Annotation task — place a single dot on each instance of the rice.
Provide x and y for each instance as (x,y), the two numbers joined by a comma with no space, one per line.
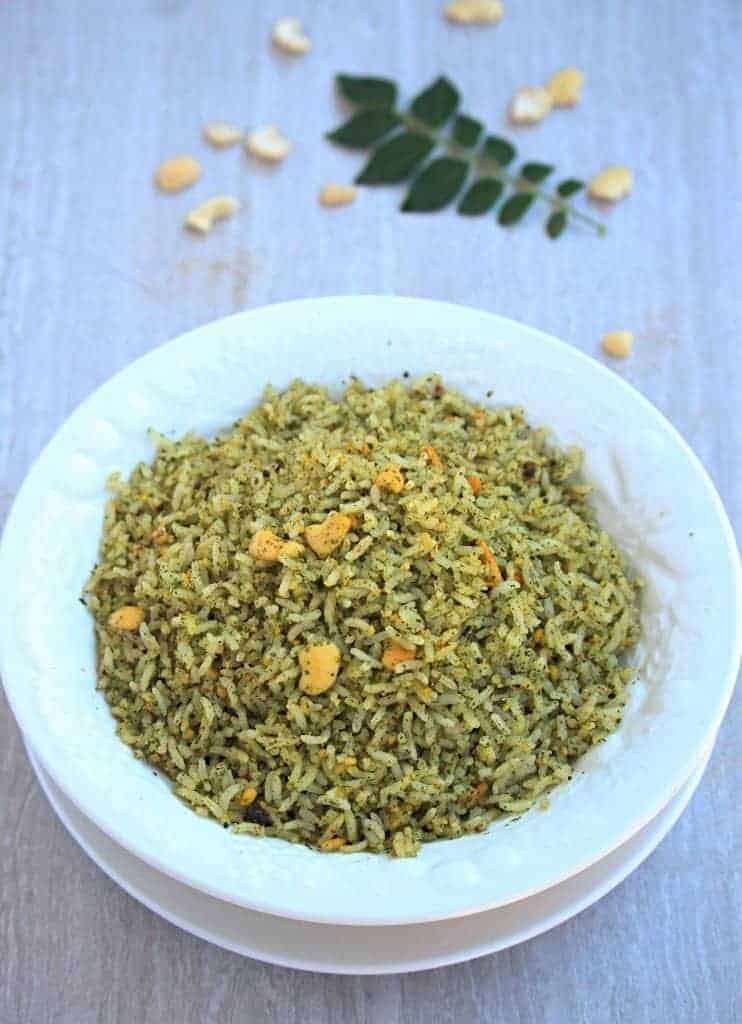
(485,574)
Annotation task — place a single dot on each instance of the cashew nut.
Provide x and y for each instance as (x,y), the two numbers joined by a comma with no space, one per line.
(177,173)
(337,195)
(267,546)
(247,796)
(289,36)
(491,568)
(390,479)
(565,87)
(127,617)
(474,12)
(217,208)
(611,184)
(268,143)
(320,664)
(332,844)
(324,538)
(160,537)
(618,343)
(222,133)
(395,655)
(431,454)
(529,105)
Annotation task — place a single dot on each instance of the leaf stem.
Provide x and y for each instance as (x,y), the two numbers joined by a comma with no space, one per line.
(477,159)
(554,200)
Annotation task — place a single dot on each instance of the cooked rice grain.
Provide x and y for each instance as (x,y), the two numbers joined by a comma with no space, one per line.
(507,685)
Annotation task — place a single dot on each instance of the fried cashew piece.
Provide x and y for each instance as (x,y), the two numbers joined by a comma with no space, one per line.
(491,568)
(267,546)
(128,617)
(324,538)
(320,664)
(391,479)
(395,655)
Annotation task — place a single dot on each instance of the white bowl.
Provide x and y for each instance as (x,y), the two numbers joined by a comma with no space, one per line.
(334,949)
(653,496)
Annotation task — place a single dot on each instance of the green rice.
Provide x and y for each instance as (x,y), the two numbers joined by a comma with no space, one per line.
(513,671)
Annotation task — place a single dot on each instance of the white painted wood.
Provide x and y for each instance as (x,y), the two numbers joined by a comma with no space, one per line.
(95,270)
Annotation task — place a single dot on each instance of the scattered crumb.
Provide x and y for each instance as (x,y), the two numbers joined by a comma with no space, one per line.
(565,87)
(177,173)
(611,184)
(474,12)
(618,343)
(337,195)
(222,133)
(288,35)
(529,105)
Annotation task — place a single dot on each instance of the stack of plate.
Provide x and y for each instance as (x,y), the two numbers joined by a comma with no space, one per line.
(458,899)
(343,949)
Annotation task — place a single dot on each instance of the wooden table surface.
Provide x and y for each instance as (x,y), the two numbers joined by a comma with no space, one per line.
(95,270)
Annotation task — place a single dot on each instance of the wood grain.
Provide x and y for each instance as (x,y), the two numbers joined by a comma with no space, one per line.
(95,270)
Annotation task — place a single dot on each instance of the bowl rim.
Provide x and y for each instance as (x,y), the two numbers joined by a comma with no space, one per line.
(275,903)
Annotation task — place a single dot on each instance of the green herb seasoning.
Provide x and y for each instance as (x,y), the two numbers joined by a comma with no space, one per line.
(362,622)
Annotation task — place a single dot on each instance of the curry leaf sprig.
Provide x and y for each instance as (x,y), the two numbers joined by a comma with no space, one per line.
(471,165)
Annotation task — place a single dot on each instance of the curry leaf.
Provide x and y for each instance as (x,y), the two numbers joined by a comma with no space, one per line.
(569,186)
(535,172)
(365,128)
(396,159)
(400,145)
(556,223)
(480,197)
(367,92)
(466,131)
(499,150)
(434,105)
(513,208)
(437,185)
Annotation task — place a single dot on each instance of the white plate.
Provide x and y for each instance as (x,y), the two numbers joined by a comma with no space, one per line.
(338,949)
(654,496)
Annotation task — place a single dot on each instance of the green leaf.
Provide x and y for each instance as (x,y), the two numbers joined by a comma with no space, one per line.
(367,92)
(365,128)
(466,131)
(556,223)
(569,186)
(436,186)
(535,172)
(499,150)
(435,104)
(480,197)
(396,159)
(513,208)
